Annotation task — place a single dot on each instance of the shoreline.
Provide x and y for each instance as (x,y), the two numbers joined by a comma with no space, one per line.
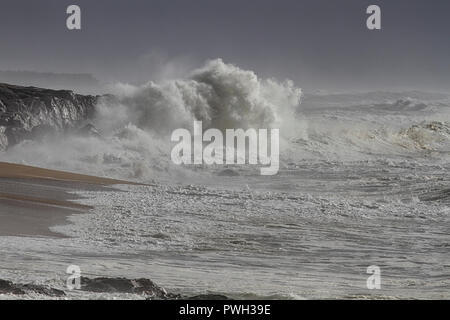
(20,171)
(33,199)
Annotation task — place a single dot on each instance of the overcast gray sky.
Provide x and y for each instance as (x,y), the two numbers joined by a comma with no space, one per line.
(319,44)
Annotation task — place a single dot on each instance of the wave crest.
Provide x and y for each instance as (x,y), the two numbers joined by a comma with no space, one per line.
(219,94)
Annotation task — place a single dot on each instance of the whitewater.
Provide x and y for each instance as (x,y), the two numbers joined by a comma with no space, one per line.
(363,180)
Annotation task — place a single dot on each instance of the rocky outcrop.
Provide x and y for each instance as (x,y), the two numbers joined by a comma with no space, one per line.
(8,287)
(28,112)
(123,285)
(142,286)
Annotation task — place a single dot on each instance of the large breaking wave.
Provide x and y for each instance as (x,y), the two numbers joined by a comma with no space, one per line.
(221,95)
(135,124)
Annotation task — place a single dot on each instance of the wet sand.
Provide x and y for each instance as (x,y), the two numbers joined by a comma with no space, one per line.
(33,199)
(19,171)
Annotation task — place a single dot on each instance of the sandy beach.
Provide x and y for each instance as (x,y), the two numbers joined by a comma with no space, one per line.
(33,199)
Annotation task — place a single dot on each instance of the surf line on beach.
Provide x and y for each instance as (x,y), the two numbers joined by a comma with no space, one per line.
(210,148)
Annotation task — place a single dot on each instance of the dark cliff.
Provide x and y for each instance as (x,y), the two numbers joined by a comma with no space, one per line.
(25,112)
(77,82)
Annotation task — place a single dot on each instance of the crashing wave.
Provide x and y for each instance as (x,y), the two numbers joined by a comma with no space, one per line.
(130,133)
(130,136)
(428,135)
(221,95)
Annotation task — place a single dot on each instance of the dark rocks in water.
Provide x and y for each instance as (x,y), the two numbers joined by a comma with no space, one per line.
(26,111)
(8,287)
(123,285)
(106,285)
(228,173)
(52,292)
(103,285)
(138,286)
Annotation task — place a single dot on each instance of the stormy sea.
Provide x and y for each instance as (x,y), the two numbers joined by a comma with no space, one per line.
(363,181)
